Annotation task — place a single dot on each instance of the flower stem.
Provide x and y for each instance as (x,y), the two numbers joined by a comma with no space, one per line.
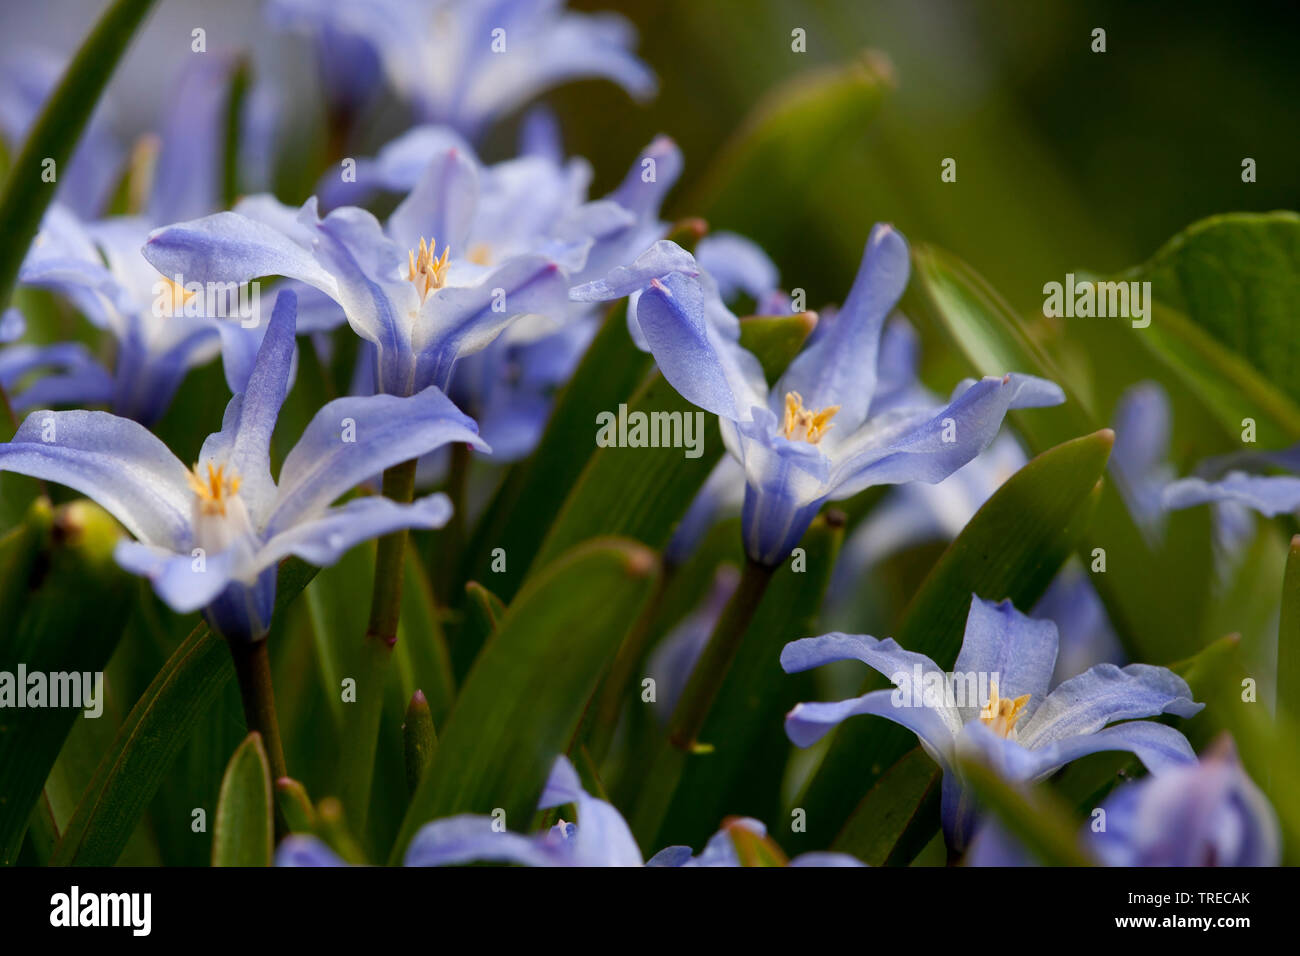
(357,759)
(711,670)
(253,669)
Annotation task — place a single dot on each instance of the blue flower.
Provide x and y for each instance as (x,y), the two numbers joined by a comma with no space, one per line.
(161,330)
(1208,813)
(996,702)
(465,63)
(600,837)
(817,436)
(210,538)
(1234,479)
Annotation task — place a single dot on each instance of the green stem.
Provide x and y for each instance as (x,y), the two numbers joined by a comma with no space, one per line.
(443,550)
(253,669)
(711,670)
(357,759)
(669,761)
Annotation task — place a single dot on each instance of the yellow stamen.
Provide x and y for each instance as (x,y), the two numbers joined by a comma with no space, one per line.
(802,424)
(177,296)
(427,270)
(1002,713)
(214,489)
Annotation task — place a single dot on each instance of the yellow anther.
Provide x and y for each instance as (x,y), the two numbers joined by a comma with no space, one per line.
(1002,713)
(428,271)
(802,424)
(176,295)
(214,489)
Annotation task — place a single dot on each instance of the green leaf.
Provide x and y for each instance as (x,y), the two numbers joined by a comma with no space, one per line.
(56,131)
(898,815)
(742,774)
(68,626)
(245,826)
(1237,276)
(153,733)
(1011,548)
(520,706)
(1288,637)
(1034,815)
(519,514)
(295,806)
(640,493)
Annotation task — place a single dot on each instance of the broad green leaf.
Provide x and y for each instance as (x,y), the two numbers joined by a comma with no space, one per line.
(533,491)
(641,492)
(152,735)
(898,815)
(56,131)
(1011,548)
(1288,637)
(1034,815)
(1237,276)
(423,661)
(244,829)
(746,726)
(520,706)
(60,637)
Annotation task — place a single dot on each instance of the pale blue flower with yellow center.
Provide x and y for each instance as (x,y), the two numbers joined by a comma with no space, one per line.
(815,436)
(1023,731)
(210,537)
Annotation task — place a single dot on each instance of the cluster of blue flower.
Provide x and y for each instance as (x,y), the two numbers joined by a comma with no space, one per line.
(474,300)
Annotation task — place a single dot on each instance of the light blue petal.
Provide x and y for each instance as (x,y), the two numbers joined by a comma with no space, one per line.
(1104,694)
(472,839)
(914,447)
(738,265)
(602,837)
(825,859)
(187,177)
(839,367)
(441,206)
(182,582)
(12,325)
(1017,652)
(707,370)
(661,259)
(386,430)
(1270,495)
(70,376)
(114,461)
(808,723)
(324,540)
(299,850)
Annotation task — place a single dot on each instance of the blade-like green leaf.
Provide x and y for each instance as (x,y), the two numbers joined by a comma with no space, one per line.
(1034,815)
(1288,637)
(245,825)
(520,706)
(27,191)
(55,651)
(898,815)
(1011,548)
(152,735)
(524,506)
